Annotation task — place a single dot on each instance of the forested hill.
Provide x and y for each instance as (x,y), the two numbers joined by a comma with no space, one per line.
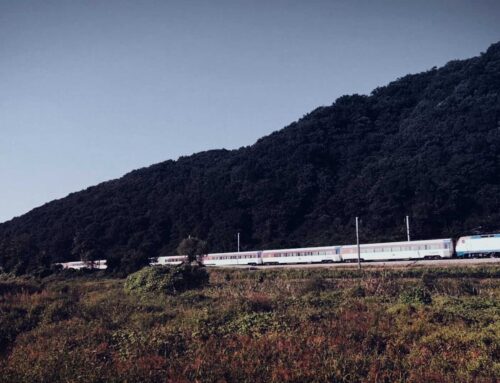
(426,145)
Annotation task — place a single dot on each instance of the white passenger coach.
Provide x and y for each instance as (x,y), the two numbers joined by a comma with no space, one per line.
(228,259)
(326,254)
(426,249)
(169,260)
(78,265)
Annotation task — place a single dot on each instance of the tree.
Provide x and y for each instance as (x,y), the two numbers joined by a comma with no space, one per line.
(192,247)
(86,247)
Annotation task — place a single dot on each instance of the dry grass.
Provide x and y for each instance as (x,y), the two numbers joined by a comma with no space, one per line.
(314,325)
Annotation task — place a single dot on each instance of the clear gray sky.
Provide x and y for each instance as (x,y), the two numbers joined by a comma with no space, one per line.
(90,90)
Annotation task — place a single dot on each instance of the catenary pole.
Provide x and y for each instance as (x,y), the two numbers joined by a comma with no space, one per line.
(408,228)
(357,242)
(238,242)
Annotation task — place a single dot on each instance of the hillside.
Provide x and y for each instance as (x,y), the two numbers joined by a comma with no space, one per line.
(426,145)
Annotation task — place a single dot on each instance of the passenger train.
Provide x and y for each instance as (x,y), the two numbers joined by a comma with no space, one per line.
(427,249)
(470,246)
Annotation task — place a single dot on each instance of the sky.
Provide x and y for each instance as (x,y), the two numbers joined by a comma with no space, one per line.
(90,90)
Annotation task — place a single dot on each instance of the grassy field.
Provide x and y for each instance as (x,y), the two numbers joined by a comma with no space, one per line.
(297,325)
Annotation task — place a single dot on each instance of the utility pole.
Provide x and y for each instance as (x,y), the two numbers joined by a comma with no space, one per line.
(357,242)
(408,228)
(238,241)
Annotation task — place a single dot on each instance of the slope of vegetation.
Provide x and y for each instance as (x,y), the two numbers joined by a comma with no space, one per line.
(297,325)
(426,145)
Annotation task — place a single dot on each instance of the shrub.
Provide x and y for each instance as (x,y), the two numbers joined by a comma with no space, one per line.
(415,295)
(166,279)
(429,280)
(255,324)
(259,302)
(315,284)
(325,299)
(58,311)
(466,287)
(15,321)
(358,292)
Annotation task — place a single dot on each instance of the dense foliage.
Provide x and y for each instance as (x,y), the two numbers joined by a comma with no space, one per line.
(426,145)
(296,325)
(193,248)
(166,279)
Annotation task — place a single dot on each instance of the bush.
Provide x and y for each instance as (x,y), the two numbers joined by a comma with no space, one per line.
(167,279)
(466,287)
(418,295)
(358,292)
(58,311)
(259,302)
(314,284)
(429,280)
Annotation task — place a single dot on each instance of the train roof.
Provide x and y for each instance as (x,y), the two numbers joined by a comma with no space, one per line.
(423,241)
(318,248)
(479,236)
(235,253)
(304,248)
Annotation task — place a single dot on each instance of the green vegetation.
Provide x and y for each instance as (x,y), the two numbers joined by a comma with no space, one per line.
(295,325)
(193,248)
(166,279)
(426,145)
